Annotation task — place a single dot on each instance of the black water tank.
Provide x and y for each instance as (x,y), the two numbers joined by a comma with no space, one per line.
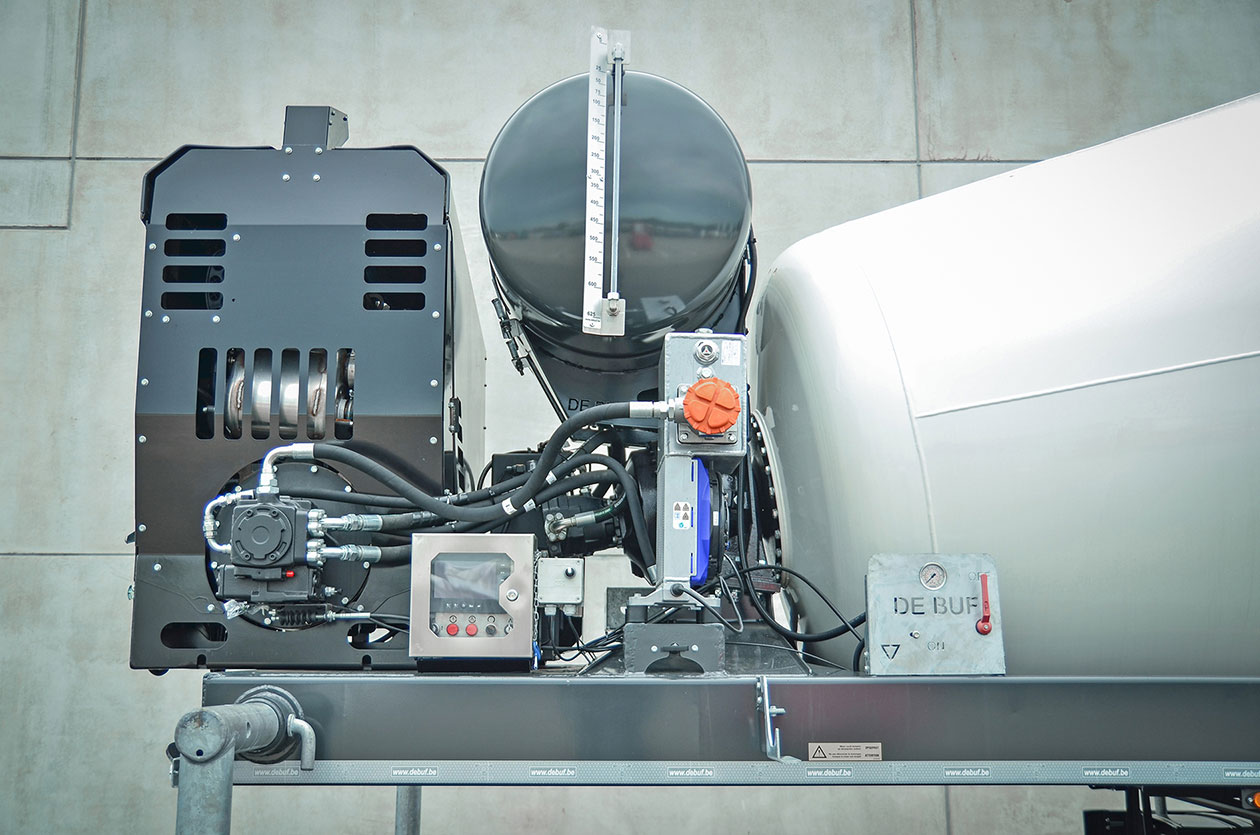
(686,207)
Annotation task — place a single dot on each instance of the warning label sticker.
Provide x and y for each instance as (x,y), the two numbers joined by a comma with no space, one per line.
(846,751)
(682,515)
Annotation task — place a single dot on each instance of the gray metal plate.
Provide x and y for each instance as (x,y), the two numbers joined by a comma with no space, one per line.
(923,611)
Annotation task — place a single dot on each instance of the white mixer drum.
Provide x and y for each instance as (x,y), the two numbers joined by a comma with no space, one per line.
(1058,366)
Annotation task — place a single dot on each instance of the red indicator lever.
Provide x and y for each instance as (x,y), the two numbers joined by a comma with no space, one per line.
(984,626)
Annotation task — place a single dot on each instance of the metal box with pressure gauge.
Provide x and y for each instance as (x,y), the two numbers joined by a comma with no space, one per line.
(933,614)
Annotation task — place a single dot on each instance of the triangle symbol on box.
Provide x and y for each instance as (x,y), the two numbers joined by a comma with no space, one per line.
(891,650)
(819,753)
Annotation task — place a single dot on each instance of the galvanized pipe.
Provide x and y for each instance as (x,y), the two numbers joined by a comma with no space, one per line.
(208,741)
(407,811)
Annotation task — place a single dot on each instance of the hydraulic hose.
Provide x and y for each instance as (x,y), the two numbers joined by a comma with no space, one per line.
(404,488)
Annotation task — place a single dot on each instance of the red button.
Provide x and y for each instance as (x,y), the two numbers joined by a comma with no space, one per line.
(471,629)
(452,629)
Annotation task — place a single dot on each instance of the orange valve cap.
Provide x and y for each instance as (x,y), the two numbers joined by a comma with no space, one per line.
(711,406)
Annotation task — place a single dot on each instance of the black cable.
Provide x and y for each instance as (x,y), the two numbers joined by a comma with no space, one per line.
(368,466)
(369,499)
(485,471)
(750,286)
(517,501)
(550,454)
(817,658)
(857,654)
(1220,807)
(736,629)
(845,627)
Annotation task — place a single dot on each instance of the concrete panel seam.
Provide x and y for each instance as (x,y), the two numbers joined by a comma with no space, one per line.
(74,118)
(1119,378)
(914,76)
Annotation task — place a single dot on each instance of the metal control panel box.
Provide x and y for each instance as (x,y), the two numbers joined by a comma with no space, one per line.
(933,614)
(472,596)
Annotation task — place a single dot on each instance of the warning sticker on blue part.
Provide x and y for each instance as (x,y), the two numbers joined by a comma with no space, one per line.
(682,515)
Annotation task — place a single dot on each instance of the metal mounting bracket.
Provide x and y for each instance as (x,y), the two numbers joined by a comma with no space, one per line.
(769,733)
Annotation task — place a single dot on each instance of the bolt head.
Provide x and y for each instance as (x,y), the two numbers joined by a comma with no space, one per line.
(148,314)
(432,440)
(215,319)
(437,315)
(512,595)
(319,150)
(288,150)
(695,647)
(344,601)
(433,384)
(209,607)
(437,247)
(656,649)
(157,566)
(568,572)
(237,236)
(152,247)
(315,177)
(142,528)
(166,320)
(142,439)
(285,177)
(144,381)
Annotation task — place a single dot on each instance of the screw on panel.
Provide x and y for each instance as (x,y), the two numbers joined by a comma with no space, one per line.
(285,177)
(656,649)
(288,150)
(314,468)
(433,383)
(432,440)
(437,247)
(166,320)
(319,150)
(215,319)
(148,314)
(315,177)
(142,439)
(157,566)
(144,381)
(512,595)
(237,236)
(344,601)
(152,246)
(436,315)
(142,528)
(209,607)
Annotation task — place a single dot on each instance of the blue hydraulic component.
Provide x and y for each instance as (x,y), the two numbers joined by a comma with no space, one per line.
(704,527)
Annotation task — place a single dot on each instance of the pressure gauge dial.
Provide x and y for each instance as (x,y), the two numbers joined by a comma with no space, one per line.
(932,576)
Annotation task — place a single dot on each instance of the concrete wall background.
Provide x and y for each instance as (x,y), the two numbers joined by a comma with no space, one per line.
(843,108)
